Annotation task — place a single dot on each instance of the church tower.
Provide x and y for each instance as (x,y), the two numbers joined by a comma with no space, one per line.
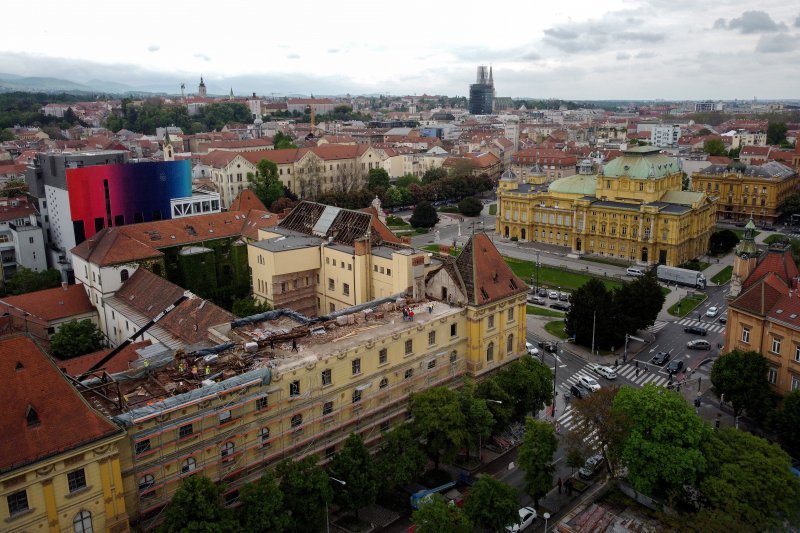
(745,260)
(169,151)
(201,89)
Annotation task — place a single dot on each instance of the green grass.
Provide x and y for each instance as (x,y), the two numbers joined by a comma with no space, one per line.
(448,209)
(687,304)
(552,276)
(396,222)
(411,233)
(543,311)
(493,209)
(605,260)
(723,276)
(556,327)
(740,233)
(772,239)
(435,248)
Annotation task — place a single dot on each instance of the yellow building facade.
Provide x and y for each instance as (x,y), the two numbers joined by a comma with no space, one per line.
(302,388)
(756,191)
(634,210)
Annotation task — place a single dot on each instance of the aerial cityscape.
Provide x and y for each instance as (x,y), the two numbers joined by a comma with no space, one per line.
(459,278)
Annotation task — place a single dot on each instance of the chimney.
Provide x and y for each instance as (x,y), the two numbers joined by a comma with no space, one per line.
(64,285)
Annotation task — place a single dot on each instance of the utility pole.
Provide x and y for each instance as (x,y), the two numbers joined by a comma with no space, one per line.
(594,323)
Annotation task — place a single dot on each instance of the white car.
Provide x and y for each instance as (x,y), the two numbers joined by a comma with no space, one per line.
(605,371)
(712,311)
(553,295)
(589,382)
(533,350)
(526,517)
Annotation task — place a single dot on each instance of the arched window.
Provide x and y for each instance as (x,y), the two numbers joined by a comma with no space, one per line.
(490,352)
(124,275)
(384,383)
(188,465)
(82,523)
(510,344)
(146,482)
(297,420)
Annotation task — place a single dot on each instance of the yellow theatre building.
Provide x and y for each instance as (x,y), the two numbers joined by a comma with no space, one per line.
(633,210)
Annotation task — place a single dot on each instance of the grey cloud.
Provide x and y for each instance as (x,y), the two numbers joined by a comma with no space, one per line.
(623,56)
(641,36)
(755,22)
(797,22)
(777,44)
(531,56)
(293,56)
(645,55)
(720,24)
(153,48)
(481,54)
(561,33)
(204,57)
(595,35)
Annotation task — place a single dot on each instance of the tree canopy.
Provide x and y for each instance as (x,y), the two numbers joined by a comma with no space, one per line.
(265,183)
(282,141)
(197,506)
(478,417)
(438,419)
(437,516)
(249,306)
(787,422)
(742,378)
(529,385)
(400,458)
(662,447)
(776,133)
(353,464)
(424,216)
(377,178)
(595,418)
(536,458)
(470,206)
(306,488)
(261,509)
(492,504)
(714,147)
(723,241)
(26,280)
(77,338)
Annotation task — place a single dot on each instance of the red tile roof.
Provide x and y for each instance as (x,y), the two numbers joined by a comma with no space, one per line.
(110,246)
(486,275)
(762,295)
(780,263)
(52,304)
(245,201)
(119,363)
(380,228)
(32,383)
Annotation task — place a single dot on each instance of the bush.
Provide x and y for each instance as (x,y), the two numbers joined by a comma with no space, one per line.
(424,216)
(470,206)
(722,242)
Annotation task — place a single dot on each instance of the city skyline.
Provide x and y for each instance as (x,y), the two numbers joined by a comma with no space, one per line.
(637,49)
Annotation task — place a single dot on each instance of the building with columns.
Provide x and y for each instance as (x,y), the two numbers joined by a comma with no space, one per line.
(634,210)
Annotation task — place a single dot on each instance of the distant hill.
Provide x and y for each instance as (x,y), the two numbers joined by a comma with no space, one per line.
(13,82)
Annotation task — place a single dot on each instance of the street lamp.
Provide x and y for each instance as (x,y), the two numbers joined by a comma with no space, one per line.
(327,521)
(546,518)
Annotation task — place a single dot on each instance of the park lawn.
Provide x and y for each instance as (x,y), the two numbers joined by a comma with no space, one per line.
(543,311)
(435,249)
(723,276)
(396,222)
(448,209)
(687,304)
(556,327)
(411,232)
(553,277)
(605,261)
(704,265)
(772,239)
(493,209)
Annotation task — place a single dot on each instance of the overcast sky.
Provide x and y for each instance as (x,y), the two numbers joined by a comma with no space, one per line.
(578,49)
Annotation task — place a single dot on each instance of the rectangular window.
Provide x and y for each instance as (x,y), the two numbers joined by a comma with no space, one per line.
(746,335)
(225,416)
(795,383)
(453,330)
(772,375)
(261,403)
(356,395)
(141,446)
(185,431)
(356,366)
(346,289)
(331,284)
(294,388)
(431,338)
(76,480)
(383,356)
(327,408)
(776,345)
(797,353)
(409,346)
(490,321)
(409,373)
(326,377)
(388,271)
(17,502)
(431,364)
(511,314)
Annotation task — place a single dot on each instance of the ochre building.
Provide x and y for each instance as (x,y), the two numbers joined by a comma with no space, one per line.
(633,210)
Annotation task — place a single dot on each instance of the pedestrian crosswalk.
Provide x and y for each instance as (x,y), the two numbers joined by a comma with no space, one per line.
(712,327)
(657,326)
(626,371)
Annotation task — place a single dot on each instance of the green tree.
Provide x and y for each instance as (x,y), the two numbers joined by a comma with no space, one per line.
(306,489)
(536,458)
(662,450)
(354,465)
(501,405)
(787,422)
(262,506)
(575,458)
(13,188)
(197,507)
(592,315)
(790,205)
(408,179)
(742,378)
(265,183)
(714,147)
(282,141)
(439,421)
(77,338)
(734,153)
(478,417)
(462,167)
(598,423)
(492,504)
(249,307)
(434,174)
(424,216)
(686,181)
(437,516)
(638,303)
(749,480)
(703,132)
(377,178)
(470,206)
(26,280)
(722,241)
(528,383)
(776,133)
(6,135)
(400,458)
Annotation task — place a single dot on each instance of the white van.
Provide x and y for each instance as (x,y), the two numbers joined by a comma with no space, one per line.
(634,271)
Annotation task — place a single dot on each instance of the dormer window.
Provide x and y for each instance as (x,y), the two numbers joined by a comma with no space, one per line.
(32,417)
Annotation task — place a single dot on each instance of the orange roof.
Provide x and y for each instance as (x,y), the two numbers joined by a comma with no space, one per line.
(53,304)
(780,263)
(42,414)
(380,228)
(218,158)
(245,201)
(487,277)
(110,246)
(119,363)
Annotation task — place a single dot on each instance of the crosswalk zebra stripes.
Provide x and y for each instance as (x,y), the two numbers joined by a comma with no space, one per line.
(627,371)
(657,326)
(711,327)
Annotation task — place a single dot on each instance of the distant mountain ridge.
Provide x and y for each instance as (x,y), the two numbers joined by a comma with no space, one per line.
(13,82)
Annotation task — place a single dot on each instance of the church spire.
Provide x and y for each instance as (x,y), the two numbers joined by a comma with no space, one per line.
(491,79)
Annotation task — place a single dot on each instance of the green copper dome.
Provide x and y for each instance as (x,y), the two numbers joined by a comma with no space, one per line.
(642,162)
(584,184)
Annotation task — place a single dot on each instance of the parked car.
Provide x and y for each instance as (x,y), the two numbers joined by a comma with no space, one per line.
(579,391)
(605,371)
(533,350)
(526,517)
(696,330)
(723,318)
(553,295)
(542,292)
(674,366)
(698,344)
(589,382)
(549,347)
(536,300)
(561,306)
(564,296)
(660,358)
(591,466)
(712,312)
(634,271)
